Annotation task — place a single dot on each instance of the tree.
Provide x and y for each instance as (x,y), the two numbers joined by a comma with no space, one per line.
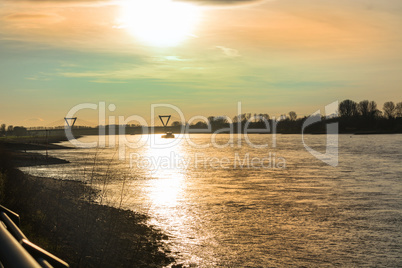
(292,116)
(363,108)
(389,109)
(217,122)
(283,117)
(262,117)
(221,120)
(398,109)
(200,124)
(348,108)
(176,124)
(372,109)
(3,129)
(10,130)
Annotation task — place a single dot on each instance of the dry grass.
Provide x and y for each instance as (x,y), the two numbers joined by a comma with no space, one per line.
(62,217)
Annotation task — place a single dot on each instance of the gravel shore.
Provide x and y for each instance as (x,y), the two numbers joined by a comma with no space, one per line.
(62,217)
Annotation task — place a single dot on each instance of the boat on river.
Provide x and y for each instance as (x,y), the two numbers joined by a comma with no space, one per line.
(168,135)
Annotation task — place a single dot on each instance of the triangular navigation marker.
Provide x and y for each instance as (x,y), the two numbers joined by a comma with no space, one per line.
(70,120)
(161,117)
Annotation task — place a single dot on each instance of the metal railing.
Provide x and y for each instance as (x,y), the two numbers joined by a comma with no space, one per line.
(15,248)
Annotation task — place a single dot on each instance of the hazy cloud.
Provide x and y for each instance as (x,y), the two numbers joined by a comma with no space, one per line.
(209,2)
(57,1)
(222,2)
(37,119)
(33,16)
(171,58)
(85,2)
(20,16)
(229,52)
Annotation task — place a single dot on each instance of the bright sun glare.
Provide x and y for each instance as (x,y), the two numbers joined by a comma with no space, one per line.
(159,22)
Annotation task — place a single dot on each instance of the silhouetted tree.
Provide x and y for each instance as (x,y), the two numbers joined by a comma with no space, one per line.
(200,124)
(348,108)
(363,108)
(263,117)
(372,109)
(398,109)
(241,117)
(217,122)
(220,120)
(3,129)
(176,124)
(292,116)
(389,109)
(10,130)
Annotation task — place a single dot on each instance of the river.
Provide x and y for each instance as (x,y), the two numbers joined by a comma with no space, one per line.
(262,202)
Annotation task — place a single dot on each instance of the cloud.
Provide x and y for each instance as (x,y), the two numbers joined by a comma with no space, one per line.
(170,58)
(37,119)
(205,2)
(22,16)
(105,81)
(191,71)
(229,52)
(34,17)
(89,3)
(222,2)
(58,3)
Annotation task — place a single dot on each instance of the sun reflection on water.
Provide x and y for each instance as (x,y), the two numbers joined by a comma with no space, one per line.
(167,178)
(166,193)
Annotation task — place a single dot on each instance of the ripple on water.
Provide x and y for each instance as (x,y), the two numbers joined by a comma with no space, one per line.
(308,214)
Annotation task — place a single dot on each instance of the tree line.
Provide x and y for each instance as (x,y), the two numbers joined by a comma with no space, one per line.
(352,117)
(368,109)
(12,131)
(363,116)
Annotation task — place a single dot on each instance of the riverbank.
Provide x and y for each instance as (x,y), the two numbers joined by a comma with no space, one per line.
(63,218)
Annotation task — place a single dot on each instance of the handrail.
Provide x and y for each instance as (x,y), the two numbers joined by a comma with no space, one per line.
(12,227)
(13,216)
(17,251)
(12,254)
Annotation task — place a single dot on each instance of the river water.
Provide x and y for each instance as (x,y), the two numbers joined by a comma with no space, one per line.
(232,203)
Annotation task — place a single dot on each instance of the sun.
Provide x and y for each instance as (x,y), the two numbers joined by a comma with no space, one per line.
(161,23)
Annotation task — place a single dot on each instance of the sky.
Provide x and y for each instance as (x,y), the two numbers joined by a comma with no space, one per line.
(202,56)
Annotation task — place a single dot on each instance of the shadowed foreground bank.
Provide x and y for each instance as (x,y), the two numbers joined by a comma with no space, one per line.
(61,217)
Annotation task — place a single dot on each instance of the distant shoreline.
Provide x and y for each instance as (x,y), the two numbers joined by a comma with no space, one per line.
(21,145)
